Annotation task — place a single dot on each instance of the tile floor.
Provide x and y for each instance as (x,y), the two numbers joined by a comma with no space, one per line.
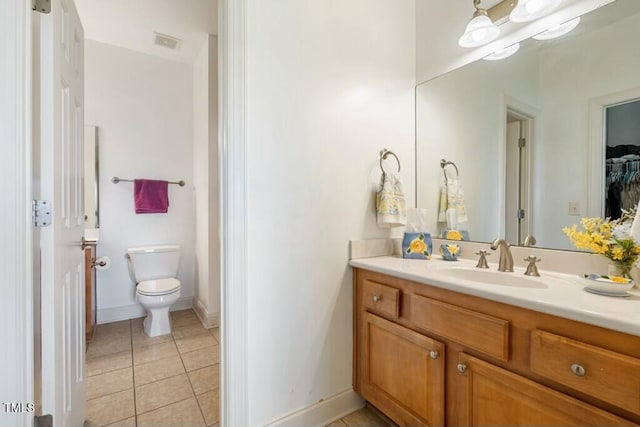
(171,380)
(365,417)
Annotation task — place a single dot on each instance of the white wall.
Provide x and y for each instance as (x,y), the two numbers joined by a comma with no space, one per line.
(143,107)
(205,172)
(329,84)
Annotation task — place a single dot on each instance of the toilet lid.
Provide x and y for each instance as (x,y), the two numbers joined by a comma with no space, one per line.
(158,286)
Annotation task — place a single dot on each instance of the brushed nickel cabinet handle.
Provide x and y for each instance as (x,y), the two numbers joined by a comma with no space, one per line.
(578,370)
(377,298)
(434,354)
(462,368)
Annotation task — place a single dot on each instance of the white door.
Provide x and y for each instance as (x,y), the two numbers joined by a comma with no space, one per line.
(517,186)
(512,203)
(62,133)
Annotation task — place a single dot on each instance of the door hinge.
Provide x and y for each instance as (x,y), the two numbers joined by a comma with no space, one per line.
(520,213)
(522,142)
(43,421)
(41,213)
(42,6)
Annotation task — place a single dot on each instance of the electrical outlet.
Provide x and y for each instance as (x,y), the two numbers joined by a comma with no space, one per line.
(574,208)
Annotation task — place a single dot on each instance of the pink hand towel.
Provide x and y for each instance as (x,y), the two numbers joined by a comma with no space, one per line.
(150,196)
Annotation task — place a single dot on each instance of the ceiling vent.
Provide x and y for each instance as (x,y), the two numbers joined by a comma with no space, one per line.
(166,41)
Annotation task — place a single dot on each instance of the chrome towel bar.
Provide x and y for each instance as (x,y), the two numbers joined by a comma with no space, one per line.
(116,180)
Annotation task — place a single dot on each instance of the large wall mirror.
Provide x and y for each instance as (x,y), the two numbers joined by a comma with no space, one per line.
(528,134)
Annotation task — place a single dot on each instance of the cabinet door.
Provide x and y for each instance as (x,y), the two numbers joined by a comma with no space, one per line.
(402,372)
(491,396)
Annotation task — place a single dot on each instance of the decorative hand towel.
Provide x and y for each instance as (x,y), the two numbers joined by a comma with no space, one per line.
(390,203)
(150,196)
(452,197)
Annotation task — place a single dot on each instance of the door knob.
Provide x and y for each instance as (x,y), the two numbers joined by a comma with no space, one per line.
(434,354)
(462,368)
(99,263)
(377,298)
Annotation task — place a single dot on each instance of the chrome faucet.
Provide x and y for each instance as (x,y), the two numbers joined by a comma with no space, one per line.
(505,263)
(529,240)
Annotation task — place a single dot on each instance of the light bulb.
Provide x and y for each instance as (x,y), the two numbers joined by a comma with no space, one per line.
(480,30)
(529,10)
(533,6)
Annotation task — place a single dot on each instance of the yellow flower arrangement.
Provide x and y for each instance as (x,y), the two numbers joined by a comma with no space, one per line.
(607,237)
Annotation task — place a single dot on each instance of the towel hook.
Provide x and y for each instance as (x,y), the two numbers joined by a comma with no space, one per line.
(384,153)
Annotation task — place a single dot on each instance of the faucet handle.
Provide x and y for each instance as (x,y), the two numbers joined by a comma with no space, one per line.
(532,268)
(482,262)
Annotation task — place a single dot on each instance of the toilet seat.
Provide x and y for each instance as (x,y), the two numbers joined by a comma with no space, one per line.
(158,287)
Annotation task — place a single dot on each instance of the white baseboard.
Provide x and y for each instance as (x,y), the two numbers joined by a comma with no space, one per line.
(133,311)
(322,413)
(209,320)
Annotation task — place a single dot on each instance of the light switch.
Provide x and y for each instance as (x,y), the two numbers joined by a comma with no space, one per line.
(574,208)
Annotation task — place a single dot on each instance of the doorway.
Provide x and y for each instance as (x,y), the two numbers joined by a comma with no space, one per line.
(154,108)
(622,157)
(518,205)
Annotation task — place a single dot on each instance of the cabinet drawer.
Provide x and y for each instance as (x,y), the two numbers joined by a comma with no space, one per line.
(478,331)
(381,298)
(604,374)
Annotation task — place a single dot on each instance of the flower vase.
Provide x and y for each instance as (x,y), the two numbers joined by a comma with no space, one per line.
(614,269)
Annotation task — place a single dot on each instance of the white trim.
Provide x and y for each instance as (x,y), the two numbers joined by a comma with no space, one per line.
(16,263)
(209,320)
(234,375)
(322,413)
(596,153)
(133,311)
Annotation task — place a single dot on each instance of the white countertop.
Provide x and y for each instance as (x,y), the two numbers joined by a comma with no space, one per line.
(563,295)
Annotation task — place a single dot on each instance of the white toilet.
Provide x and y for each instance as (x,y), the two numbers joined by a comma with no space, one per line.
(154,269)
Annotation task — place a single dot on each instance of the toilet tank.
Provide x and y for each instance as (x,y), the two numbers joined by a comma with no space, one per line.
(154,262)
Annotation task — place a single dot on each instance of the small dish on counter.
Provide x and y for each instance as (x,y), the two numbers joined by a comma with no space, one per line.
(612,286)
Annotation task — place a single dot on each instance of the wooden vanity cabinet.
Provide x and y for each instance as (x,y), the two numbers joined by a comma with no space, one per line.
(89,290)
(429,356)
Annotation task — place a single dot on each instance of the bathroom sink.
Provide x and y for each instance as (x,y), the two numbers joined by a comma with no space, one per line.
(492,277)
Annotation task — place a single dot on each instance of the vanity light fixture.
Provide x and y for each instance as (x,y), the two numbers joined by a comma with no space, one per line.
(503,53)
(530,10)
(480,30)
(558,30)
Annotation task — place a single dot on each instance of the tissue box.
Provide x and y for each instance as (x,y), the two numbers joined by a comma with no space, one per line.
(445,233)
(417,245)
